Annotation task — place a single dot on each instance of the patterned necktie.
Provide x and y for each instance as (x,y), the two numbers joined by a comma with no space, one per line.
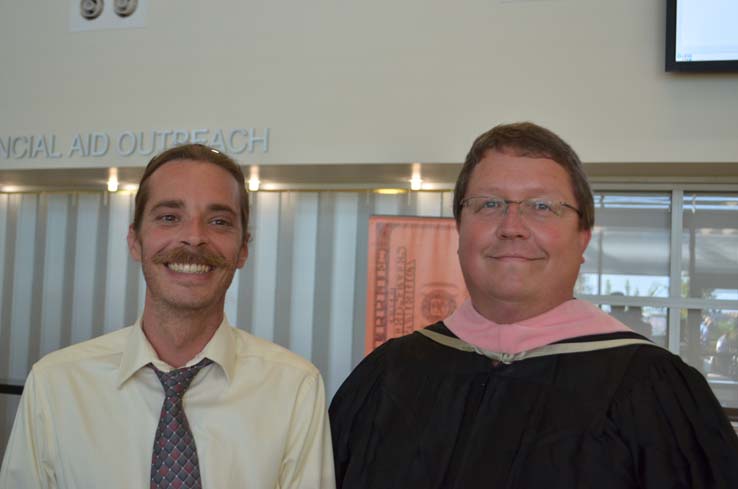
(174,462)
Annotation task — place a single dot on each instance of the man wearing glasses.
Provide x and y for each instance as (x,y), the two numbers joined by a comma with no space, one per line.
(523,386)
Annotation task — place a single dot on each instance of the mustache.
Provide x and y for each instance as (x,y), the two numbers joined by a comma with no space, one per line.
(189,256)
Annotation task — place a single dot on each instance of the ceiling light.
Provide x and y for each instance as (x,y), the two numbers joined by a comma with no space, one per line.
(254,181)
(390,191)
(416,182)
(113,180)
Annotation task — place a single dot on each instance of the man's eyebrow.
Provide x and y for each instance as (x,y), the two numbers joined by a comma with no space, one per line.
(221,208)
(179,204)
(168,204)
(496,191)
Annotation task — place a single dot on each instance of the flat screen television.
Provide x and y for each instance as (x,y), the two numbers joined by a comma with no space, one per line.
(702,35)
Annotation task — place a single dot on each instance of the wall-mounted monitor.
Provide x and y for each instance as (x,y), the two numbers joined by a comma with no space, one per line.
(702,35)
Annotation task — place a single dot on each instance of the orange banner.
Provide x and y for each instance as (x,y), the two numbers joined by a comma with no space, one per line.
(414,277)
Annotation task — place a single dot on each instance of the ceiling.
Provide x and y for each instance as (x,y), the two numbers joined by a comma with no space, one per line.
(436,176)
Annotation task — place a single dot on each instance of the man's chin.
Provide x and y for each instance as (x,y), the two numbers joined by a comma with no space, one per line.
(507,290)
(188,305)
(187,298)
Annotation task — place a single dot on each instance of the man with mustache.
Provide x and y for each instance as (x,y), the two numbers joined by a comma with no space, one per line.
(523,386)
(181,399)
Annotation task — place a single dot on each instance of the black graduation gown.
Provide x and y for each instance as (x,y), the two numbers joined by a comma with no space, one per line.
(416,414)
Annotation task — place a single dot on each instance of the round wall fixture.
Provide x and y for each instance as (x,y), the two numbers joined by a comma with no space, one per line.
(91,9)
(124,8)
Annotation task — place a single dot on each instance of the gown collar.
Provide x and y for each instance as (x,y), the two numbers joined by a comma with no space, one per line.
(570,319)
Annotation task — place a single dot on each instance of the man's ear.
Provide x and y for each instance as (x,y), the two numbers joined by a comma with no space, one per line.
(458,233)
(585,236)
(134,245)
(243,253)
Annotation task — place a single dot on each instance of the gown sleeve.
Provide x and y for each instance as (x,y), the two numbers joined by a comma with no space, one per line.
(356,401)
(675,428)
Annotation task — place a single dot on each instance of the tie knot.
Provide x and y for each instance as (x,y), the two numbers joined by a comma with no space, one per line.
(178,381)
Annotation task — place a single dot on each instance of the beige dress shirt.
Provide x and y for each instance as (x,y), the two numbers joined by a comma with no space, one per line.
(89,413)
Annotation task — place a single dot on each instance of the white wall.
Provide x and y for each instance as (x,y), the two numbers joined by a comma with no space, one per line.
(366,82)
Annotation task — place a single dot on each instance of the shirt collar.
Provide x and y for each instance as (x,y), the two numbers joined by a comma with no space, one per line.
(138,353)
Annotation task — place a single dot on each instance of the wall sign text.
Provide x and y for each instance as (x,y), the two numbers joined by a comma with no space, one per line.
(130,143)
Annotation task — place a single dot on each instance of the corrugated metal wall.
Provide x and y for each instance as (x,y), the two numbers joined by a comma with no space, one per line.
(66,276)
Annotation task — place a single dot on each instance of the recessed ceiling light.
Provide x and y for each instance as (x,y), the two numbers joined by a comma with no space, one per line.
(390,191)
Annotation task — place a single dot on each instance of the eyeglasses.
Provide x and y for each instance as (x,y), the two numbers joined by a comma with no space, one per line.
(536,209)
